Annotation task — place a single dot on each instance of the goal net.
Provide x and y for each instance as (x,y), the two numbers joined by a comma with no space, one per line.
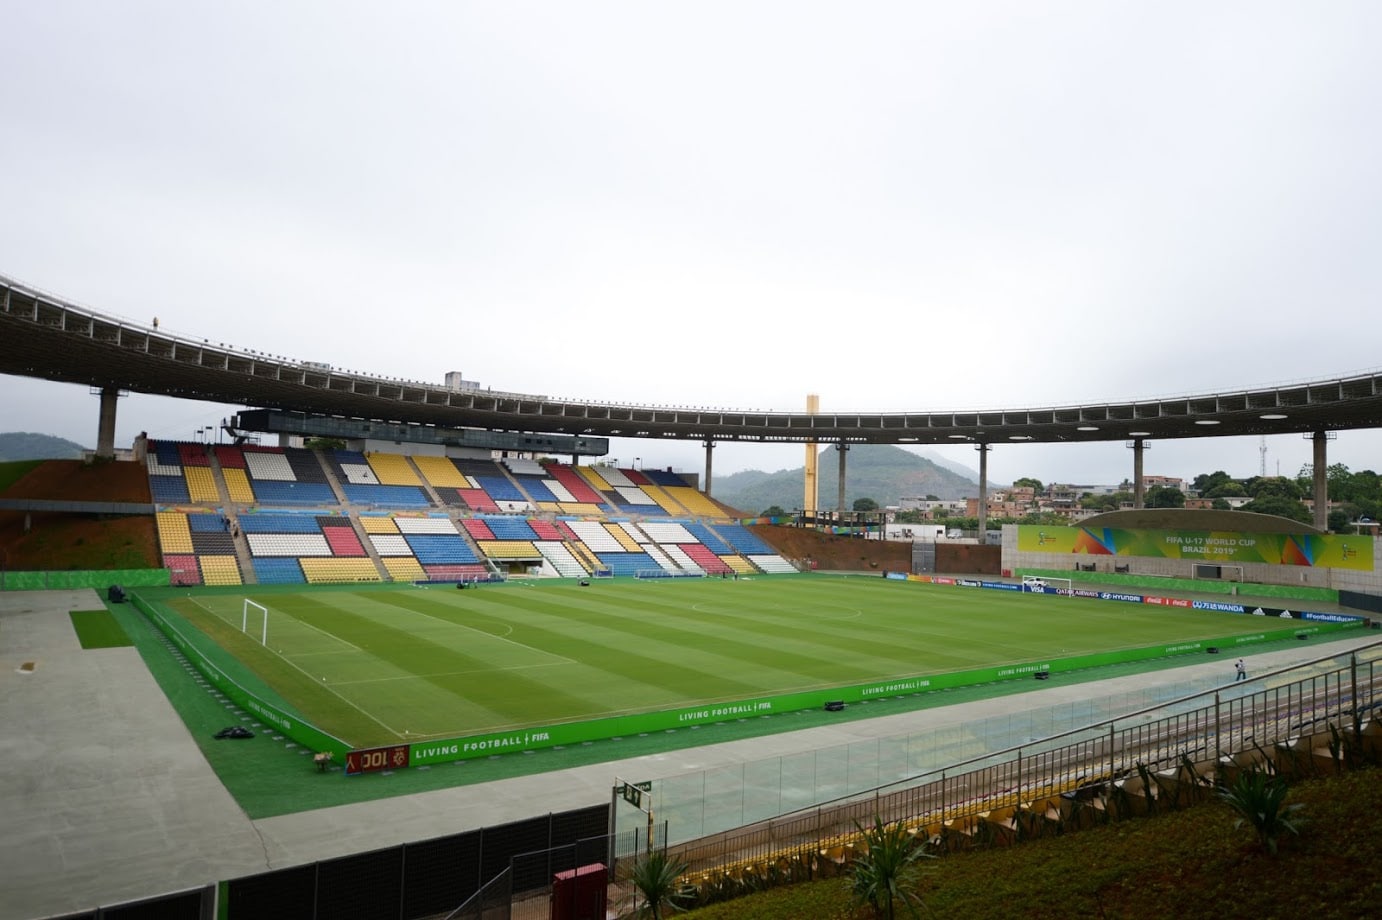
(1047,584)
(255,614)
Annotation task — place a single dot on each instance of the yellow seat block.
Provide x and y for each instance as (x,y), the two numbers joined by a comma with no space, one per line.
(326,570)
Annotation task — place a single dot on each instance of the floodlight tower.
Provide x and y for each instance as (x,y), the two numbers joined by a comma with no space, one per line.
(808,505)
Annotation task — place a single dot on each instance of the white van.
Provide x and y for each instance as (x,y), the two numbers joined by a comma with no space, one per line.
(954,533)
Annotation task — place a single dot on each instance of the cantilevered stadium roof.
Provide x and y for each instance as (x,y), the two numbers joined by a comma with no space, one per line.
(42,336)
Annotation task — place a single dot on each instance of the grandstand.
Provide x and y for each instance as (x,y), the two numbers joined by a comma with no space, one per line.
(317,517)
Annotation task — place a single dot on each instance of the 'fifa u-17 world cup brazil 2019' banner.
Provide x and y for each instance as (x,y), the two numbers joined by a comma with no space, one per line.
(1330,551)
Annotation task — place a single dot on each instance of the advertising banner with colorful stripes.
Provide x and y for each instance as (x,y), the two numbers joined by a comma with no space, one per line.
(1331,551)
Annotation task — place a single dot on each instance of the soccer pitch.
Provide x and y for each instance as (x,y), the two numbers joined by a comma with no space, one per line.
(402,664)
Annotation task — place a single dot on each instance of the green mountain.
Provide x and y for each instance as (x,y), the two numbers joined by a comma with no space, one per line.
(882,472)
(26,445)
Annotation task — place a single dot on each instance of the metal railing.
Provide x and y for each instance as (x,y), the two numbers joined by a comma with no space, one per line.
(1200,730)
(494,901)
(1204,730)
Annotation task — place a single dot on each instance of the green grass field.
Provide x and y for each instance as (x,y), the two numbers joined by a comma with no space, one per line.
(378,667)
(98,629)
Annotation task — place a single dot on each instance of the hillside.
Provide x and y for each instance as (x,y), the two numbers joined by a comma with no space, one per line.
(28,445)
(882,472)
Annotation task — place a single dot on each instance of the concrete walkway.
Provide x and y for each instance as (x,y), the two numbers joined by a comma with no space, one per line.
(107,798)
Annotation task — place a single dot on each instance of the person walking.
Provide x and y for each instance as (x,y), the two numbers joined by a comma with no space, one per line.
(1242,670)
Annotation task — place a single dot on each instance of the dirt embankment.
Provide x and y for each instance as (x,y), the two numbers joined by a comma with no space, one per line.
(58,542)
(835,553)
(75,481)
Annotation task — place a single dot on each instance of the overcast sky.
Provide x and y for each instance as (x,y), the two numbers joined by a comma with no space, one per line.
(896,206)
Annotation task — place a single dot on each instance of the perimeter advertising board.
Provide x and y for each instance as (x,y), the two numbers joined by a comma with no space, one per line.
(465,748)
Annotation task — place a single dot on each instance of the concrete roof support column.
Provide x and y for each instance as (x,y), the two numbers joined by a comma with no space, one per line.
(709,453)
(1139,487)
(1320,477)
(843,448)
(983,450)
(105,428)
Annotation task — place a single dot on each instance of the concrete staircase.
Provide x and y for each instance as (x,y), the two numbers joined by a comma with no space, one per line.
(369,548)
(427,488)
(242,546)
(331,480)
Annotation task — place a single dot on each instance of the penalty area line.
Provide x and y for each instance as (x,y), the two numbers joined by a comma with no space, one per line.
(312,677)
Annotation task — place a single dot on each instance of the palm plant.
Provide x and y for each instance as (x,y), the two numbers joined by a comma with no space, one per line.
(886,872)
(657,882)
(1259,799)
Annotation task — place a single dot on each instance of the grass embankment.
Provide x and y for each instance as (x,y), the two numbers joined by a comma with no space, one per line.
(1191,863)
(44,541)
(12,472)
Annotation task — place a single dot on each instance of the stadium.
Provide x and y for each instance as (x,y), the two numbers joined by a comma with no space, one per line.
(465,648)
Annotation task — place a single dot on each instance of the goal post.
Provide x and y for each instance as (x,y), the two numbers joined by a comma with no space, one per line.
(263,613)
(1048,584)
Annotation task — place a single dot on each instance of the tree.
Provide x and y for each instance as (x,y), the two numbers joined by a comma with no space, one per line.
(1340,482)
(1338,520)
(1164,497)
(1220,504)
(1229,488)
(1208,482)
(1273,486)
(1091,502)
(865,504)
(1280,506)
(1045,518)
(1029,481)
(1111,502)
(773,511)
(1367,486)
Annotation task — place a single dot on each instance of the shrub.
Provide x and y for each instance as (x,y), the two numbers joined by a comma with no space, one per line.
(1259,799)
(657,884)
(886,872)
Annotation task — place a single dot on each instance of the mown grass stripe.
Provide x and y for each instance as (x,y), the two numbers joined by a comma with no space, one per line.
(451,663)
